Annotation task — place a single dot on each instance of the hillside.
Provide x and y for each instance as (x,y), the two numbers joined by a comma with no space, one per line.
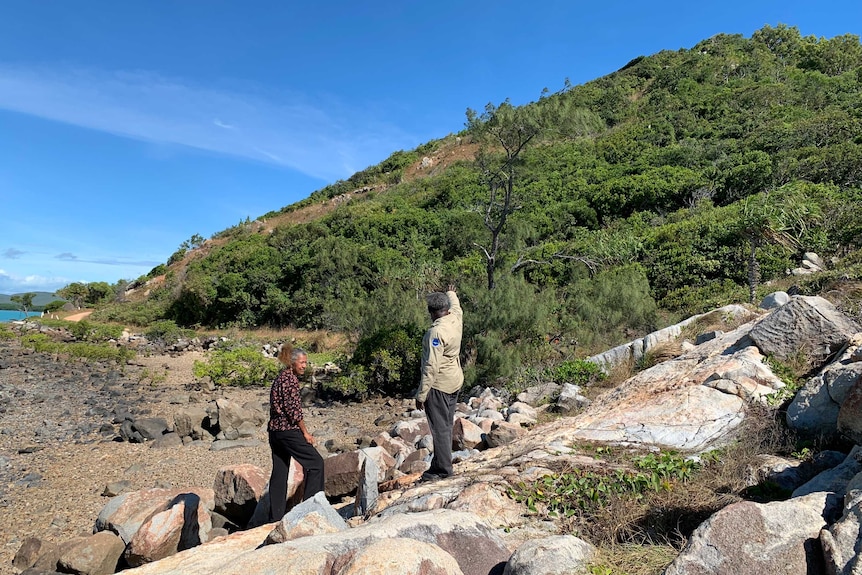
(41,298)
(686,180)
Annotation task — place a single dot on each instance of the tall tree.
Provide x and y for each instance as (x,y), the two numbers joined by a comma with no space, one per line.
(24,301)
(503,132)
(74,292)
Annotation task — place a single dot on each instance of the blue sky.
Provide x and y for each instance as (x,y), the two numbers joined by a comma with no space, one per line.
(127,127)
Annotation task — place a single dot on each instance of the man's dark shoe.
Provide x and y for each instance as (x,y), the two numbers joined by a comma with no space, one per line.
(431,477)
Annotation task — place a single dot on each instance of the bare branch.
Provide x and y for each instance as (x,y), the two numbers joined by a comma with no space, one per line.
(523,263)
(591,264)
(487,255)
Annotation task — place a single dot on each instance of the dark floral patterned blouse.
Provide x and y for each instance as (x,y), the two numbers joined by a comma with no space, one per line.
(285,404)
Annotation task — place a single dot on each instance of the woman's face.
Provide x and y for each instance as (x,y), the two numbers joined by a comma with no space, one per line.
(299,364)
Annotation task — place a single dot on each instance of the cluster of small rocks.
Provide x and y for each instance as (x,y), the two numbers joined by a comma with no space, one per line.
(46,402)
(811,263)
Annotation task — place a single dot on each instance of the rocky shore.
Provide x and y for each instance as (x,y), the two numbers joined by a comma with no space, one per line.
(60,437)
(62,424)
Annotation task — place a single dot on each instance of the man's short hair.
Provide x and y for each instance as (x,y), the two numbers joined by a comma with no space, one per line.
(437,301)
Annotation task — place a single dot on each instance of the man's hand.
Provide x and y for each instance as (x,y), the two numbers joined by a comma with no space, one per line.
(420,405)
(450,287)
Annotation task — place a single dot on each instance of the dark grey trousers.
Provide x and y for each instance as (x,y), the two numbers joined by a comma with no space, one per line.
(440,411)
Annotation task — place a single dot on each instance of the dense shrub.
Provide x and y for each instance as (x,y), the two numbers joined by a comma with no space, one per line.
(578,372)
(94,332)
(609,305)
(241,366)
(166,331)
(385,362)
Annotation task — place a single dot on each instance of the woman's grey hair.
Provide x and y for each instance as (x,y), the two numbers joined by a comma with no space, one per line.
(287,354)
(437,301)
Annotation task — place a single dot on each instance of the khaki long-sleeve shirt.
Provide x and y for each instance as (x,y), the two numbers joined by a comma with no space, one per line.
(441,351)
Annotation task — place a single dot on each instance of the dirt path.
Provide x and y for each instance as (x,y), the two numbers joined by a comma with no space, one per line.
(78,316)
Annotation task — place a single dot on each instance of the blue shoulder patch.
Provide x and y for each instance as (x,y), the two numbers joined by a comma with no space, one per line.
(435,342)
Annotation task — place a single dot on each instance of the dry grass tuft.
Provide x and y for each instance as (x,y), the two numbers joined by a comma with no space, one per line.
(618,375)
(659,353)
(714,321)
(662,518)
(762,432)
(630,559)
(846,295)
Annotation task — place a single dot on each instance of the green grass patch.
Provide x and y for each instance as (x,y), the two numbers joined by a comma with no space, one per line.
(83,350)
(791,373)
(323,357)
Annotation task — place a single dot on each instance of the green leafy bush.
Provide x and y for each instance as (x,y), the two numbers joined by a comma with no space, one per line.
(94,332)
(386,362)
(167,330)
(241,366)
(580,491)
(353,384)
(505,328)
(494,360)
(578,372)
(54,305)
(177,256)
(157,271)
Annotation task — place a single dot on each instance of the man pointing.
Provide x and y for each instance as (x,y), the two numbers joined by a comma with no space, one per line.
(442,377)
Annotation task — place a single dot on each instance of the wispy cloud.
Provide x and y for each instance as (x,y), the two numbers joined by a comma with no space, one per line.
(113,261)
(13,254)
(221,124)
(123,262)
(320,137)
(11,284)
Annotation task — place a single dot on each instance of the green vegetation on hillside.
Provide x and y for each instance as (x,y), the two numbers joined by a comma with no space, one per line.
(683,181)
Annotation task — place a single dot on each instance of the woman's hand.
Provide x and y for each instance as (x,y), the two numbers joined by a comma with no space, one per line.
(309,438)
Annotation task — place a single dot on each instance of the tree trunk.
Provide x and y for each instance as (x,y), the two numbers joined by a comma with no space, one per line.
(753,270)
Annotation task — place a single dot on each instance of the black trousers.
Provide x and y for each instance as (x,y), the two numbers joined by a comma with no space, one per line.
(286,445)
(440,411)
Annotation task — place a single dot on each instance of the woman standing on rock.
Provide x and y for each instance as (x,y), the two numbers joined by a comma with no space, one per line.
(288,437)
